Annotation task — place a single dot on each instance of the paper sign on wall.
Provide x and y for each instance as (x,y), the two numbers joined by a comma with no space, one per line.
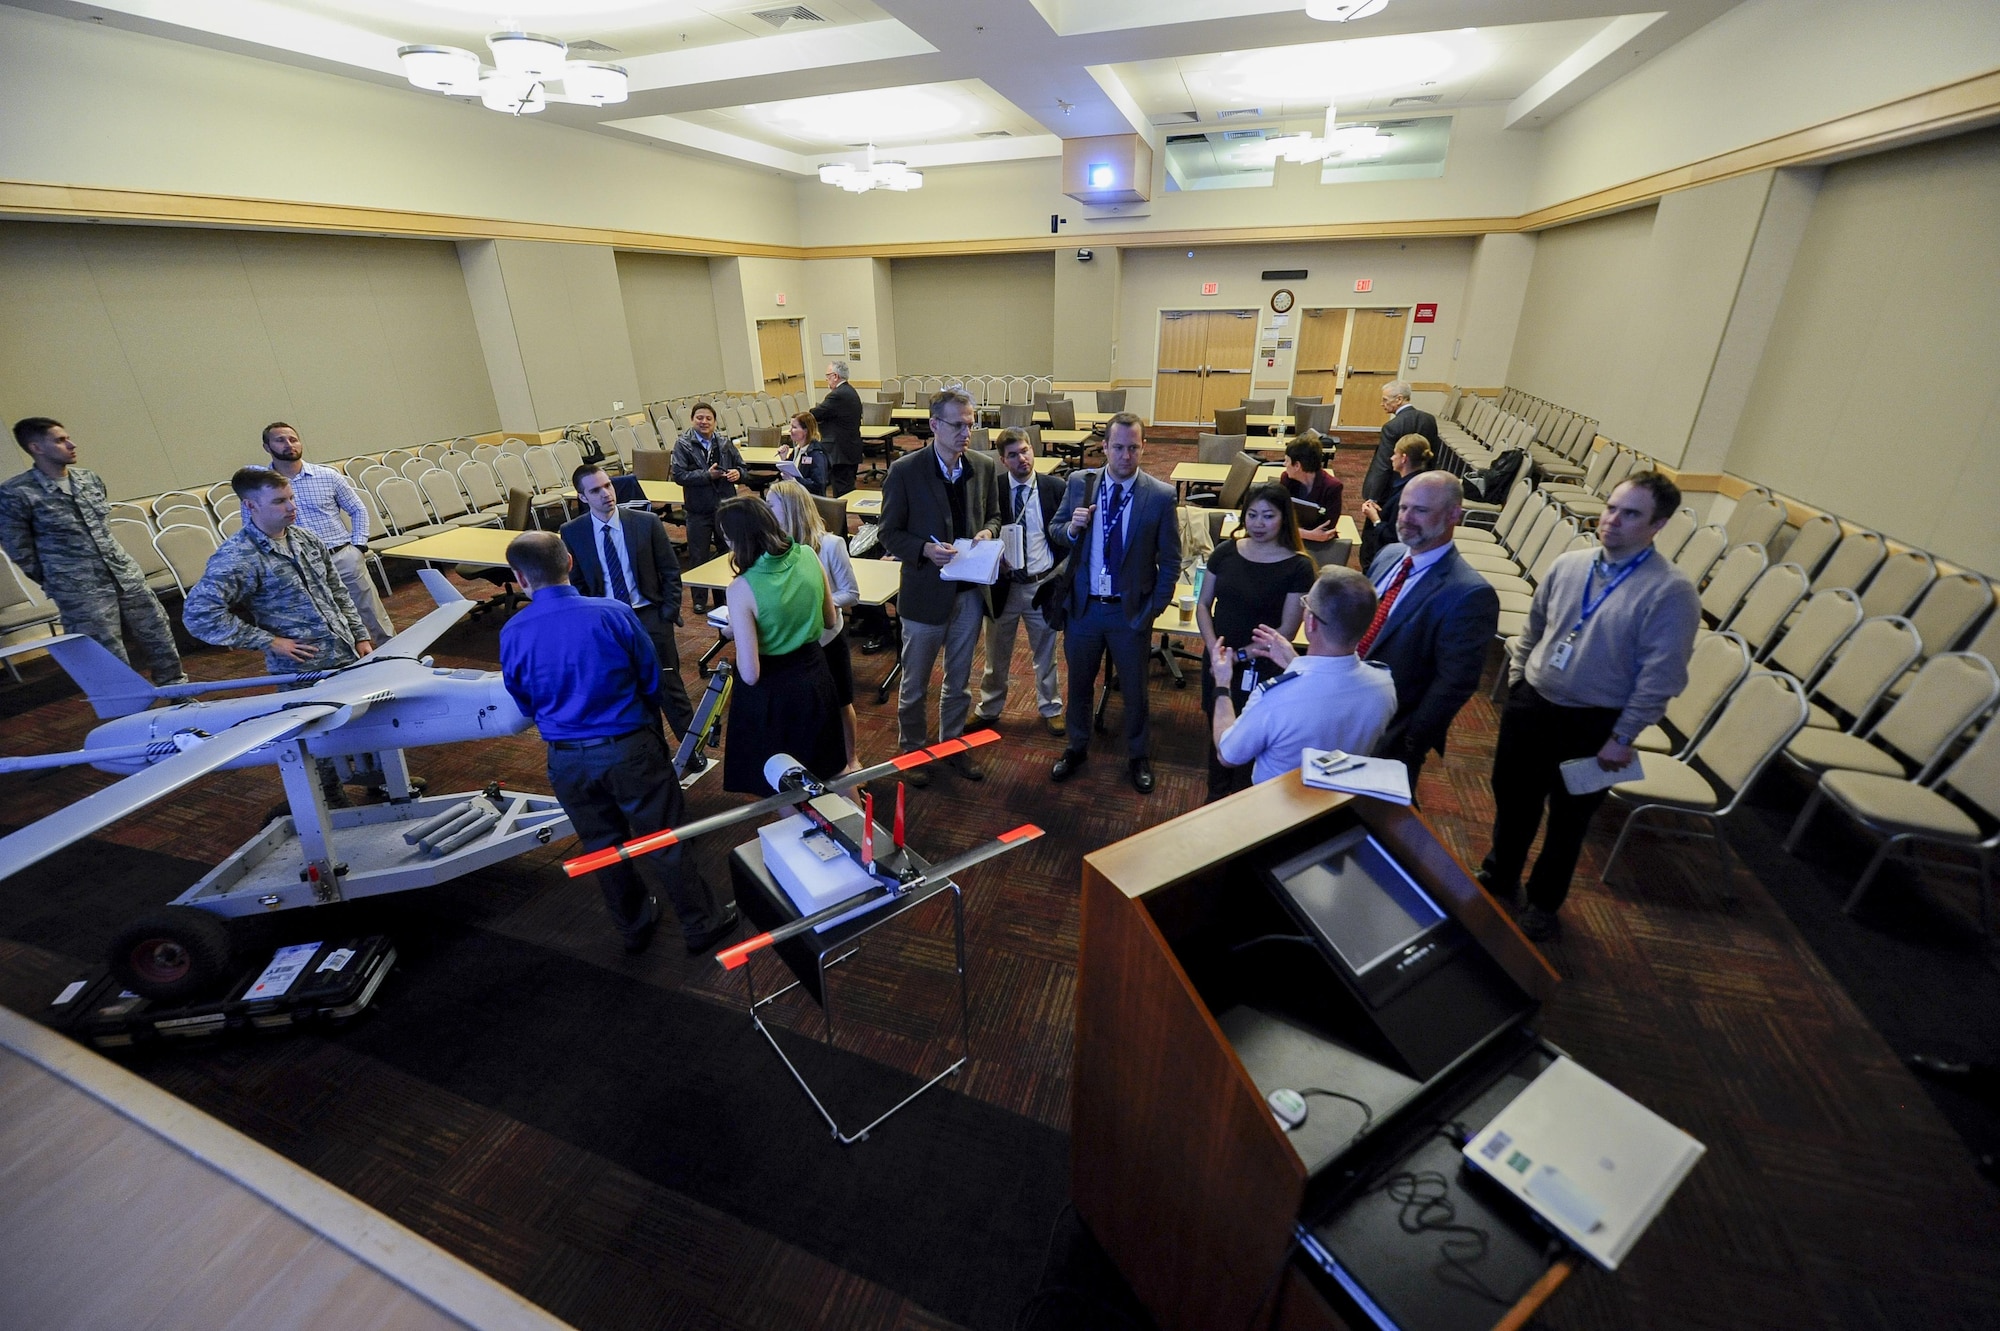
(1364,284)
(1426,314)
(1210,288)
(781,298)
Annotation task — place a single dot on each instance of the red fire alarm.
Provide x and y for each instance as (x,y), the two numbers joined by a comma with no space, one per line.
(1210,288)
(1364,285)
(1426,314)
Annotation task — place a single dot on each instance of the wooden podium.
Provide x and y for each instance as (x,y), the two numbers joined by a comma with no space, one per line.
(1177,1164)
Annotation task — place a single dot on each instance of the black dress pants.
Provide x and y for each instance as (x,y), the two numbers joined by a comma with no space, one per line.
(840,478)
(704,543)
(673,689)
(617,789)
(1536,738)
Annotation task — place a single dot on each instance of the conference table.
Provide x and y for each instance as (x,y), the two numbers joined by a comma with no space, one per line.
(1185,474)
(462,545)
(878,579)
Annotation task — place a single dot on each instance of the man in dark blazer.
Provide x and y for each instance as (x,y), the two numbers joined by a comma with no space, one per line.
(937,495)
(1403,419)
(1123,539)
(839,417)
(1029,500)
(626,555)
(1433,631)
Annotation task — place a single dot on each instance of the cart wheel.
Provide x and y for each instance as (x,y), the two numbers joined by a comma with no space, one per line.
(175,952)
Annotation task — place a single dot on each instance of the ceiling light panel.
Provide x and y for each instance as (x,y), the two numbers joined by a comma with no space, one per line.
(926,113)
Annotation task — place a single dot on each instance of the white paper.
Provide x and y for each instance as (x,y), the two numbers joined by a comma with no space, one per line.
(1013,545)
(285,967)
(719,617)
(1381,778)
(1581,776)
(789,470)
(336,960)
(976,561)
(70,991)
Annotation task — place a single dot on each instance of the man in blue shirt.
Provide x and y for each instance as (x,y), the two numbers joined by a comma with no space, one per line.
(584,670)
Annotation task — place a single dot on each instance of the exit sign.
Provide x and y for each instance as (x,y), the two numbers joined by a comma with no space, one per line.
(1426,314)
(1363,285)
(1210,288)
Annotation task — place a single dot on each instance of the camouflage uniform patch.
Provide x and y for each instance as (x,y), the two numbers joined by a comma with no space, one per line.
(297,595)
(64,542)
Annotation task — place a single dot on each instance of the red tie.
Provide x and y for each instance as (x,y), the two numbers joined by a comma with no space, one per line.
(1383,606)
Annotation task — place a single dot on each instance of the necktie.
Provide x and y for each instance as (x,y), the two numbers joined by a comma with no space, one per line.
(1020,501)
(1383,606)
(1114,536)
(614,572)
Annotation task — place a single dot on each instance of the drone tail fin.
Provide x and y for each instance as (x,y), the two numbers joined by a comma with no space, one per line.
(114,688)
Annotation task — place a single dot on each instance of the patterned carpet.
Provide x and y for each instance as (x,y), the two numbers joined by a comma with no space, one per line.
(1833,1194)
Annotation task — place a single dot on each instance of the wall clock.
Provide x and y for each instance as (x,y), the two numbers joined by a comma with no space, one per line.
(1281,300)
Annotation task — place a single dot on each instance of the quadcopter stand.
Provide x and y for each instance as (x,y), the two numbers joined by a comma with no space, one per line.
(812,956)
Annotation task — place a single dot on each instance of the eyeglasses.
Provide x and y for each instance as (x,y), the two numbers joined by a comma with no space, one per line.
(956,427)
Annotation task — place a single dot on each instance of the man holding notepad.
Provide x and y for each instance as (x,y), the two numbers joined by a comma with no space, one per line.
(932,499)
(1606,647)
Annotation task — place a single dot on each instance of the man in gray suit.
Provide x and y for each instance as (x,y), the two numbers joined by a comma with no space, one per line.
(1124,545)
(931,498)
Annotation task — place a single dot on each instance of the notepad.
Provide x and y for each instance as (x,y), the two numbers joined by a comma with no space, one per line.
(1381,778)
(1581,776)
(976,561)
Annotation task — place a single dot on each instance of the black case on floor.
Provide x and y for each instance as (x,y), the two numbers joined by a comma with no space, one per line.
(331,989)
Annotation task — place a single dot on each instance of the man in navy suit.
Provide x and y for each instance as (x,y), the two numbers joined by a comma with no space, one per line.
(1123,539)
(1434,617)
(626,555)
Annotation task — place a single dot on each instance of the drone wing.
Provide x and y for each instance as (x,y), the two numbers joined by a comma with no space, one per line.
(40,839)
(784,799)
(732,957)
(415,640)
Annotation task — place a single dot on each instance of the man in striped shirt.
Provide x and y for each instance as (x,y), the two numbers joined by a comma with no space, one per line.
(323,496)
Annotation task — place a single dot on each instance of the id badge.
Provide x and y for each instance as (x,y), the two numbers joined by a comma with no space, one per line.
(1559,658)
(1249,679)
(1103,582)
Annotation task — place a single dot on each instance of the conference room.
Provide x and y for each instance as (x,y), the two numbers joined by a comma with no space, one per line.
(1739,248)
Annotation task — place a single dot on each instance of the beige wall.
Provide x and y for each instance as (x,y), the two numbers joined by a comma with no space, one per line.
(1496,284)
(1404,273)
(90,105)
(1086,314)
(166,350)
(1764,68)
(670,318)
(1876,397)
(1581,295)
(552,325)
(979,314)
(840,294)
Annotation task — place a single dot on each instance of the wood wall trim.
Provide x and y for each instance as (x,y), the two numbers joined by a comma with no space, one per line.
(1953,107)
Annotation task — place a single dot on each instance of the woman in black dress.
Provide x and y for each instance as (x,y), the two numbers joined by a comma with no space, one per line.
(1261,577)
(779,605)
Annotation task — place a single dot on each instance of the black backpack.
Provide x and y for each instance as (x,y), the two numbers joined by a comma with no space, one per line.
(1489,484)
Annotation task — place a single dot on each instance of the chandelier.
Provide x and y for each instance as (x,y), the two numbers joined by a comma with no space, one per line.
(860,178)
(524,67)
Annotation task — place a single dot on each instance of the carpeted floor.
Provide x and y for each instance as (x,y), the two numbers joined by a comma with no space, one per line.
(609,1135)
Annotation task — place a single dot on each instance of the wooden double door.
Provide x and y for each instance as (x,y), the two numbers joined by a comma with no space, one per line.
(1204,362)
(781,348)
(1349,354)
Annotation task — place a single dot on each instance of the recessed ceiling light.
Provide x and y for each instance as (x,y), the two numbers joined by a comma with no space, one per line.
(1320,71)
(874,115)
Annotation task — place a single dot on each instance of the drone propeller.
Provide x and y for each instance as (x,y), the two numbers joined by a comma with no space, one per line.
(784,799)
(732,957)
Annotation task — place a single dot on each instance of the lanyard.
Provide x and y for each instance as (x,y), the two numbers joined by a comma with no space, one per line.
(1591,607)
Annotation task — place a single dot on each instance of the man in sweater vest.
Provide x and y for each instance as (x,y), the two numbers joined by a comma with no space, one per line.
(1607,645)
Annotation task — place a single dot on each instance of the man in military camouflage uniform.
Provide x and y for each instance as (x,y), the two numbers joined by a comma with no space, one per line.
(284,578)
(55,524)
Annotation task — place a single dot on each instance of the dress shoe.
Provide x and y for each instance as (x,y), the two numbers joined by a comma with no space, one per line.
(967,769)
(697,762)
(1067,765)
(917,778)
(1142,775)
(870,646)
(1055,725)
(642,938)
(417,787)
(1541,926)
(983,722)
(706,942)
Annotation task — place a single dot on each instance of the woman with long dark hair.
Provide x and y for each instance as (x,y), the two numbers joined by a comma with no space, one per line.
(1260,577)
(779,605)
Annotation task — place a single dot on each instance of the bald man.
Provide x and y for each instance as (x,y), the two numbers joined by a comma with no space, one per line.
(1434,617)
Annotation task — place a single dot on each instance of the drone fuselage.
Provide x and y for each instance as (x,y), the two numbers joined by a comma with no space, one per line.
(409,705)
